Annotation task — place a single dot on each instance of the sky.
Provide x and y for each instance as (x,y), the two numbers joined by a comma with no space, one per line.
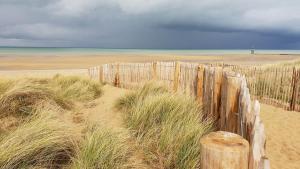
(164,24)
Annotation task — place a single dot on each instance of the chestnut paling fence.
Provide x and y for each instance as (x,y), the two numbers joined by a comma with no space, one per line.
(225,95)
(274,85)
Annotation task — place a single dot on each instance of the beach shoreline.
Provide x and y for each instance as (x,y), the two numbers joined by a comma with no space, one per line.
(83,61)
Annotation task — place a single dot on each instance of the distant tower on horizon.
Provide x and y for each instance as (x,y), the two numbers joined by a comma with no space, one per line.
(252,50)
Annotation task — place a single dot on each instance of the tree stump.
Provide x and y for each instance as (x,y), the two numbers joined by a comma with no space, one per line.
(224,150)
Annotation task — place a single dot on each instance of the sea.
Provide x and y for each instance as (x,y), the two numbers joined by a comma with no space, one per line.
(60,50)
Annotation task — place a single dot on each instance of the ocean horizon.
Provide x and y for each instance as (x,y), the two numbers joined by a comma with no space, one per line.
(75,50)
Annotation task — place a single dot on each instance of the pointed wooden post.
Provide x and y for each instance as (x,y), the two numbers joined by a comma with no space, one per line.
(224,150)
(176,76)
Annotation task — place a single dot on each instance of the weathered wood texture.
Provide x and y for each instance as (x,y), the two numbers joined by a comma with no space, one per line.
(229,102)
(225,95)
(224,150)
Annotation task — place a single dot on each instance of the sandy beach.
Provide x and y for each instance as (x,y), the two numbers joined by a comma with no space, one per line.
(283,137)
(80,61)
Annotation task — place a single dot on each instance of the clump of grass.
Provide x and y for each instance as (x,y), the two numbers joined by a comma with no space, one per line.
(77,88)
(169,128)
(44,141)
(21,99)
(128,101)
(5,85)
(102,149)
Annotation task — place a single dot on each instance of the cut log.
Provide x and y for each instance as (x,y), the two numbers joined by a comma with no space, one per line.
(224,150)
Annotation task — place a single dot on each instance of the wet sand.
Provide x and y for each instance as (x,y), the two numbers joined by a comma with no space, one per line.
(80,61)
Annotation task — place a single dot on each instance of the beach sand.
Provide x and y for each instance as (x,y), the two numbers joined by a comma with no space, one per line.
(74,61)
(283,137)
(282,127)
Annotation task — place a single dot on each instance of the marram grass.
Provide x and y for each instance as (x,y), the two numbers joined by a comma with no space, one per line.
(102,149)
(128,101)
(168,126)
(42,142)
(76,88)
(20,97)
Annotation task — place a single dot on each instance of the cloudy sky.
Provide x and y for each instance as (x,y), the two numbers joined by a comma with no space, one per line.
(184,24)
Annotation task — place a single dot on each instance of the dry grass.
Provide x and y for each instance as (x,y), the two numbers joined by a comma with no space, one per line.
(20,97)
(44,141)
(168,126)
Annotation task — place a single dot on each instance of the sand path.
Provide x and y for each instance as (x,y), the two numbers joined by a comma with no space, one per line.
(102,112)
(283,137)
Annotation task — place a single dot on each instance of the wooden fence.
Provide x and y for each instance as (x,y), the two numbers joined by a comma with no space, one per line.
(274,85)
(224,94)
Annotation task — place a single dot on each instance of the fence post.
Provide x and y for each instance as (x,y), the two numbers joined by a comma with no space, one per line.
(89,72)
(101,74)
(294,90)
(224,150)
(229,102)
(154,70)
(176,76)
(117,76)
(200,78)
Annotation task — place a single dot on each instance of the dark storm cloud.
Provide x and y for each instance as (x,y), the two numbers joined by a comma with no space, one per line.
(151,24)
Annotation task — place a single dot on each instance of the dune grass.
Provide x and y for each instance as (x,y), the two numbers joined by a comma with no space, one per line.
(102,149)
(128,101)
(168,126)
(76,88)
(20,97)
(44,141)
(5,84)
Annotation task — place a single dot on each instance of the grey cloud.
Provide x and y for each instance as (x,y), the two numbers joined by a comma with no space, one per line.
(151,24)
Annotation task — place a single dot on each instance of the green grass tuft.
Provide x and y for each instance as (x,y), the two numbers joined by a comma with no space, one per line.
(77,88)
(128,101)
(102,149)
(168,126)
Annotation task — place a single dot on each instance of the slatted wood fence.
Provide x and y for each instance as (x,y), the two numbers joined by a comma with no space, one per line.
(274,85)
(224,94)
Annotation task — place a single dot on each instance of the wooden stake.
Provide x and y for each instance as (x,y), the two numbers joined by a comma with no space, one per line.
(217,85)
(224,150)
(294,90)
(101,77)
(176,76)
(200,78)
(154,70)
(229,102)
(117,76)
